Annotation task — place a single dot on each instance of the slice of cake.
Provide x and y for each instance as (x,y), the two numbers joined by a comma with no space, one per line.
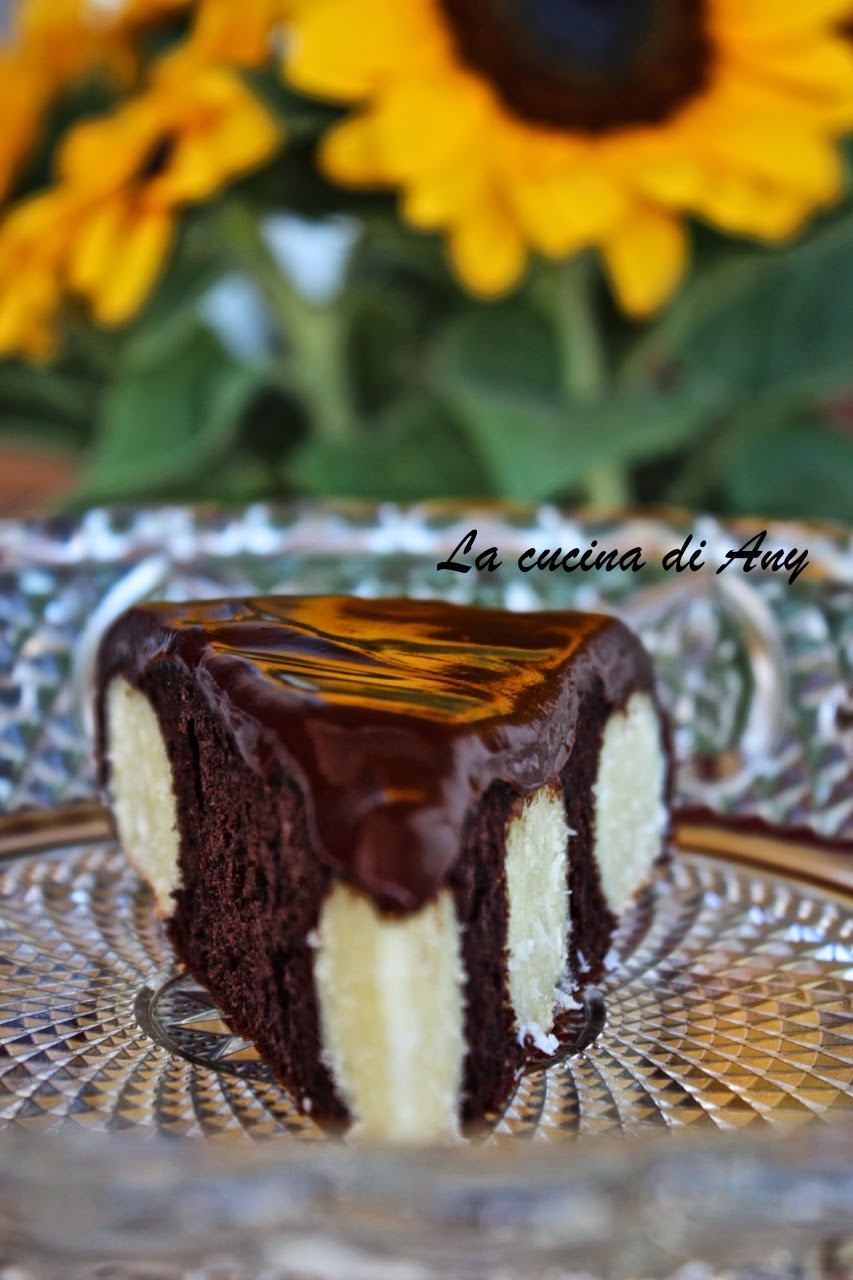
(390,837)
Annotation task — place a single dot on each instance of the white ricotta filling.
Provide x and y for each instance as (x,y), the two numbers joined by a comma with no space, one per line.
(143,798)
(630,812)
(391,1012)
(537,844)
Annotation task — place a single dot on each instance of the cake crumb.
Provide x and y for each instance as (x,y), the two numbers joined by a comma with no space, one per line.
(546,1044)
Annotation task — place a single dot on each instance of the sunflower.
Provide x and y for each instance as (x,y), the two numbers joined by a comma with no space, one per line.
(560,125)
(177,144)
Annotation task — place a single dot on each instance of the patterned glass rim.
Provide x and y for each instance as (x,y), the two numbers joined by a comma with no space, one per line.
(335,524)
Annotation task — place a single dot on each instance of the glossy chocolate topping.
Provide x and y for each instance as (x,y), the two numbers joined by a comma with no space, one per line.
(393,716)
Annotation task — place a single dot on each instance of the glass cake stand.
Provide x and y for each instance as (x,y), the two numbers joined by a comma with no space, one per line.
(704,1122)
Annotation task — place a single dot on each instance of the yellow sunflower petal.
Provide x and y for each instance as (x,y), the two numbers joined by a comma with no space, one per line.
(448,119)
(346,48)
(750,129)
(664,170)
(98,247)
(240,138)
(645,259)
(821,68)
(239,35)
(103,154)
(564,213)
(119,295)
(763,19)
(246,138)
(437,199)
(28,311)
(543,152)
(349,153)
(34,240)
(38,227)
(66,39)
(26,333)
(192,174)
(487,249)
(752,208)
(134,13)
(24,94)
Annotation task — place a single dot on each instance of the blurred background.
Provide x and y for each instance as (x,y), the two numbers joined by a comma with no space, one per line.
(398,249)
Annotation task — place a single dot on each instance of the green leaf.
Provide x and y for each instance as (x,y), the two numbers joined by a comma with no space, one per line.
(497,370)
(507,346)
(45,393)
(46,408)
(537,450)
(414,451)
(765,324)
(164,424)
(381,343)
(793,472)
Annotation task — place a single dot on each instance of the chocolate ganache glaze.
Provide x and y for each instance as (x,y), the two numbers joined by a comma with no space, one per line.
(392,716)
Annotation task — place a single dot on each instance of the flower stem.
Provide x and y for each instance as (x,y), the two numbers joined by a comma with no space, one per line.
(315,359)
(584,368)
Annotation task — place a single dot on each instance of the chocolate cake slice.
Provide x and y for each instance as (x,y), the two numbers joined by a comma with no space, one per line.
(390,837)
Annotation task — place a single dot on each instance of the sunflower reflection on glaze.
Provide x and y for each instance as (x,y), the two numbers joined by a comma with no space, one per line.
(345,652)
(560,125)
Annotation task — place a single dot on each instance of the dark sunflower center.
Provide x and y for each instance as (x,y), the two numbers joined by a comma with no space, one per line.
(593,32)
(590,65)
(157,158)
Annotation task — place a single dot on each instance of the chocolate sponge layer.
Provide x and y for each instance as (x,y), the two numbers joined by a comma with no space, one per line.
(252,887)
